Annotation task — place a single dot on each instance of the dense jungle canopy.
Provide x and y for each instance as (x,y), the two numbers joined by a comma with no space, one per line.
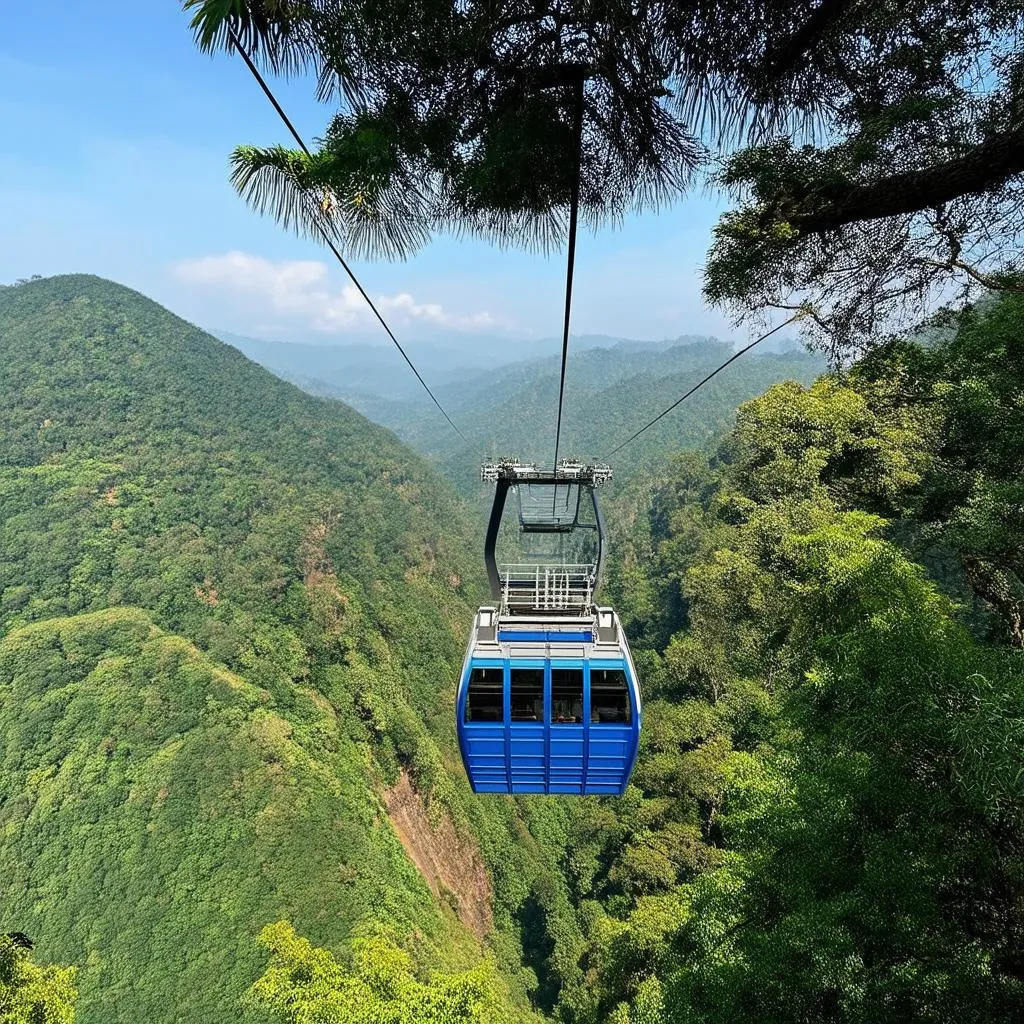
(206,711)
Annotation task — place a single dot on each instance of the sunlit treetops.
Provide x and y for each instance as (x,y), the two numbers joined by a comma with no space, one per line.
(30,993)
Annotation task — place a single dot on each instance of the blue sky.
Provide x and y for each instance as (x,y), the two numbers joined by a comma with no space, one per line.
(114,161)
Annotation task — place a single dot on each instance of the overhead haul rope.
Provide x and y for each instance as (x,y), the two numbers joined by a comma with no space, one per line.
(324,234)
(574,209)
(700,384)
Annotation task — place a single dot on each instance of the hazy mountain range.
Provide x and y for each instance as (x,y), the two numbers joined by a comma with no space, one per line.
(613,386)
(378,369)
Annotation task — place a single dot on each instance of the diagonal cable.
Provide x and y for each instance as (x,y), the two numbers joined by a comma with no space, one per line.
(701,384)
(325,235)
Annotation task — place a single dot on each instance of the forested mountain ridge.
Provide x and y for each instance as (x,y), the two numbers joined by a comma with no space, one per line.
(611,391)
(230,618)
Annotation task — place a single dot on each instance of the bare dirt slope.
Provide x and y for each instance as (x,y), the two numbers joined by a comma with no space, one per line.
(450,862)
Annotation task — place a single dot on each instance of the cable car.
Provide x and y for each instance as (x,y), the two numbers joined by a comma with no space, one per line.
(548,700)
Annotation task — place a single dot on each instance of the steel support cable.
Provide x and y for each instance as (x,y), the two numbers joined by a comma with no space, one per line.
(325,234)
(574,209)
(700,384)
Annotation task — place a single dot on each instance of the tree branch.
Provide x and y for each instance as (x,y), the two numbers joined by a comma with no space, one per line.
(994,282)
(541,76)
(780,59)
(982,169)
(994,587)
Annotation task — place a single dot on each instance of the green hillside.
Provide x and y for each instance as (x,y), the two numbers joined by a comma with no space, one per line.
(231,617)
(156,805)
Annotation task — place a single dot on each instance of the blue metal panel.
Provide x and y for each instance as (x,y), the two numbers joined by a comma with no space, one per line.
(567,747)
(551,636)
(603,663)
(527,741)
(568,743)
(506,717)
(547,757)
(547,727)
(586,726)
(482,744)
(612,747)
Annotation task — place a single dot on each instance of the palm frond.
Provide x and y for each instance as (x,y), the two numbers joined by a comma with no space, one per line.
(543,233)
(275,33)
(367,221)
(392,225)
(272,181)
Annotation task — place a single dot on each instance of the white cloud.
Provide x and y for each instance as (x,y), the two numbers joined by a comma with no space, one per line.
(301,291)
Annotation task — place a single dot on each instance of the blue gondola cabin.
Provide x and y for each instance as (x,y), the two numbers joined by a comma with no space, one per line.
(548,707)
(548,700)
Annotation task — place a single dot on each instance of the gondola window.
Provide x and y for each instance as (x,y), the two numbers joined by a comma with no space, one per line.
(484,703)
(566,696)
(527,694)
(609,697)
